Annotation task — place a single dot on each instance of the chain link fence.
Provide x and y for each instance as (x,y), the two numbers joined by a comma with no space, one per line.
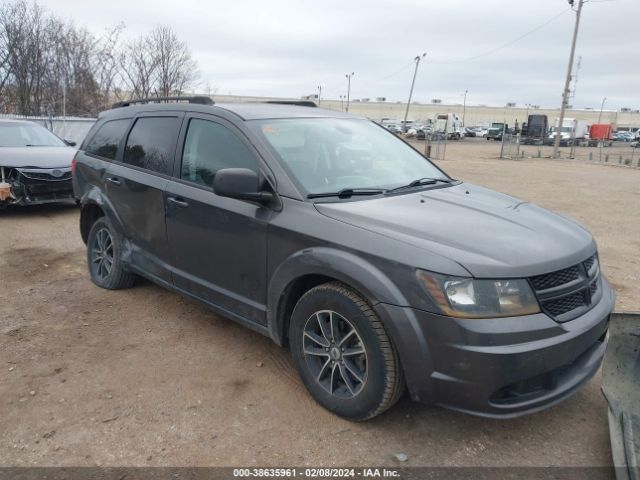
(510,146)
(72,129)
(613,153)
(435,145)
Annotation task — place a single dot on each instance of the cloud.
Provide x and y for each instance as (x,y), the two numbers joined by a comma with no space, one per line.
(288,48)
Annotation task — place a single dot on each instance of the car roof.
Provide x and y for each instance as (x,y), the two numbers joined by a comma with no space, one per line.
(244,111)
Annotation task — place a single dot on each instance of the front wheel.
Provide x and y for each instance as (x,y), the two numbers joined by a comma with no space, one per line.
(343,353)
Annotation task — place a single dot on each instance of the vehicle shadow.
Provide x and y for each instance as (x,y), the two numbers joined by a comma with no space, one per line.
(46,209)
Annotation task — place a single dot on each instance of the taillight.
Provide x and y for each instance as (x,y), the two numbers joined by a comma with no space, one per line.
(73,165)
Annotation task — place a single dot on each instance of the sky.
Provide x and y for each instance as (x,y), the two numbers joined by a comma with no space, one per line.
(499,51)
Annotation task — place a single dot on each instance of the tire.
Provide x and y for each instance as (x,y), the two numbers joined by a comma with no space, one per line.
(364,382)
(104,257)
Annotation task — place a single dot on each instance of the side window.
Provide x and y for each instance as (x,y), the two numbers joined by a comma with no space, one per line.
(209,147)
(106,140)
(151,143)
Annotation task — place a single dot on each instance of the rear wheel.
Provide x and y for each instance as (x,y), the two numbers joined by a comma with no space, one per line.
(104,257)
(343,353)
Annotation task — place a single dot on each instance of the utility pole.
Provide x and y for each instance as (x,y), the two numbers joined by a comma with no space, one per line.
(415,72)
(601,108)
(64,109)
(565,92)
(464,107)
(349,75)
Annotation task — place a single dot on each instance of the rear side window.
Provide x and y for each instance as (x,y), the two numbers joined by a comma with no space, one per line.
(210,147)
(151,143)
(106,140)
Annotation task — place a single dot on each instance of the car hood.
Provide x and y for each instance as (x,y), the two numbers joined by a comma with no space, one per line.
(490,234)
(36,157)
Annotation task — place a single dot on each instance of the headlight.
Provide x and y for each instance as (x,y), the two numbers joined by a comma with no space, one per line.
(471,298)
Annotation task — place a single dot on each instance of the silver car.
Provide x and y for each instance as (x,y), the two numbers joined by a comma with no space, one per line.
(35,165)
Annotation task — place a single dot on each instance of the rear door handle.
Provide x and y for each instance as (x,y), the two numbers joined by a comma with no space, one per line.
(178,202)
(114,181)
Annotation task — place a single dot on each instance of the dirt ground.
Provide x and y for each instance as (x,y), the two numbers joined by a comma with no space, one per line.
(146,377)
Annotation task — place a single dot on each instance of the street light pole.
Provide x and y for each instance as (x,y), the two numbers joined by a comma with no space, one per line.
(565,92)
(342,103)
(319,94)
(349,75)
(464,107)
(601,108)
(415,72)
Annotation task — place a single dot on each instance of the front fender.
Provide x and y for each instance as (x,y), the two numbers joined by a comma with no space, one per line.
(341,265)
(384,296)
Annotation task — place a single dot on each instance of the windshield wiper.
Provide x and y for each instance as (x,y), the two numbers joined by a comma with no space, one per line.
(347,192)
(421,181)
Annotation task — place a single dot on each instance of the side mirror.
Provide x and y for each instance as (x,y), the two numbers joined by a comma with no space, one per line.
(70,143)
(240,183)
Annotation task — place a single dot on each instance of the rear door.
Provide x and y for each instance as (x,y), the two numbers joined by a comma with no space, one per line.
(135,185)
(218,245)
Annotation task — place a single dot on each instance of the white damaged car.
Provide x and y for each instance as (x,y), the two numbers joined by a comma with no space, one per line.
(35,165)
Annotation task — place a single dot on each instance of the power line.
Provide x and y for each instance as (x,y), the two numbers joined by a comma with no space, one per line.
(401,69)
(508,44)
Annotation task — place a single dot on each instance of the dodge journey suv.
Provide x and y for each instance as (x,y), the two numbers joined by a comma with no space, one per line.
(334,237)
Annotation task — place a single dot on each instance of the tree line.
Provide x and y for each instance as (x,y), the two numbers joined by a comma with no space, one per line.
(49,66)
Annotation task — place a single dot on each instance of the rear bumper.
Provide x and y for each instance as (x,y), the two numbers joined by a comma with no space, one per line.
(503,367)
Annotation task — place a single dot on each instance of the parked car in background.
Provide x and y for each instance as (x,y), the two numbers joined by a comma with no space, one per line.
(623,136)
(35,165)
(393,127)
(343,243)
(469,132)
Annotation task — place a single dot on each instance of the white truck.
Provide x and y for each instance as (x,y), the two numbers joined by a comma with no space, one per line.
(449,124)
(571,132)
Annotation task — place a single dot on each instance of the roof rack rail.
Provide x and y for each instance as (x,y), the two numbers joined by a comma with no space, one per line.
(300,103)
(198,99)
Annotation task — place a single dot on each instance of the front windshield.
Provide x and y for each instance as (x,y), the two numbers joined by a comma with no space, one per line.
(329,154)
(27,135)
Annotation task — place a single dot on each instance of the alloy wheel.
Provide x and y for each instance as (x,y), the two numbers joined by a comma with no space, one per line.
(335,354)
(102,254)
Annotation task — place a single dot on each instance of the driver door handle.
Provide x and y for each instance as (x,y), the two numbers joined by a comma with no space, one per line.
(178,202)
(114,181)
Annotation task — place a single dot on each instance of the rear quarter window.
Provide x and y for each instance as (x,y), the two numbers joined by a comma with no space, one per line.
(104,143)
(152,142)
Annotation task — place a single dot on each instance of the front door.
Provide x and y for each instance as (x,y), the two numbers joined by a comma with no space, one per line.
(218,245)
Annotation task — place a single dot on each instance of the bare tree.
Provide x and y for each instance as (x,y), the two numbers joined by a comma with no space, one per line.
(139,67)
(105,64)
(51,66)
(176,70)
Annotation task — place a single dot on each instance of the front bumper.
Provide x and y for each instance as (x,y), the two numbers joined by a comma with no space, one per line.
(33,190)
(504,367)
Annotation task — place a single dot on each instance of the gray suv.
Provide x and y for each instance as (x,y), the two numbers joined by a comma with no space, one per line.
(338,240)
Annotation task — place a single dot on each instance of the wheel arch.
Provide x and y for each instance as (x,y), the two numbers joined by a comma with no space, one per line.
(94,205)
(314,266)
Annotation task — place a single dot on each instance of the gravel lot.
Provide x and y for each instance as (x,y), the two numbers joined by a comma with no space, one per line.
(146,377)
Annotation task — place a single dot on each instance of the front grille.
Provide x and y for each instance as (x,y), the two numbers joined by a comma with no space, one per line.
(56,175)
(555,279)
(567,293)
(589,262)
(565,304)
